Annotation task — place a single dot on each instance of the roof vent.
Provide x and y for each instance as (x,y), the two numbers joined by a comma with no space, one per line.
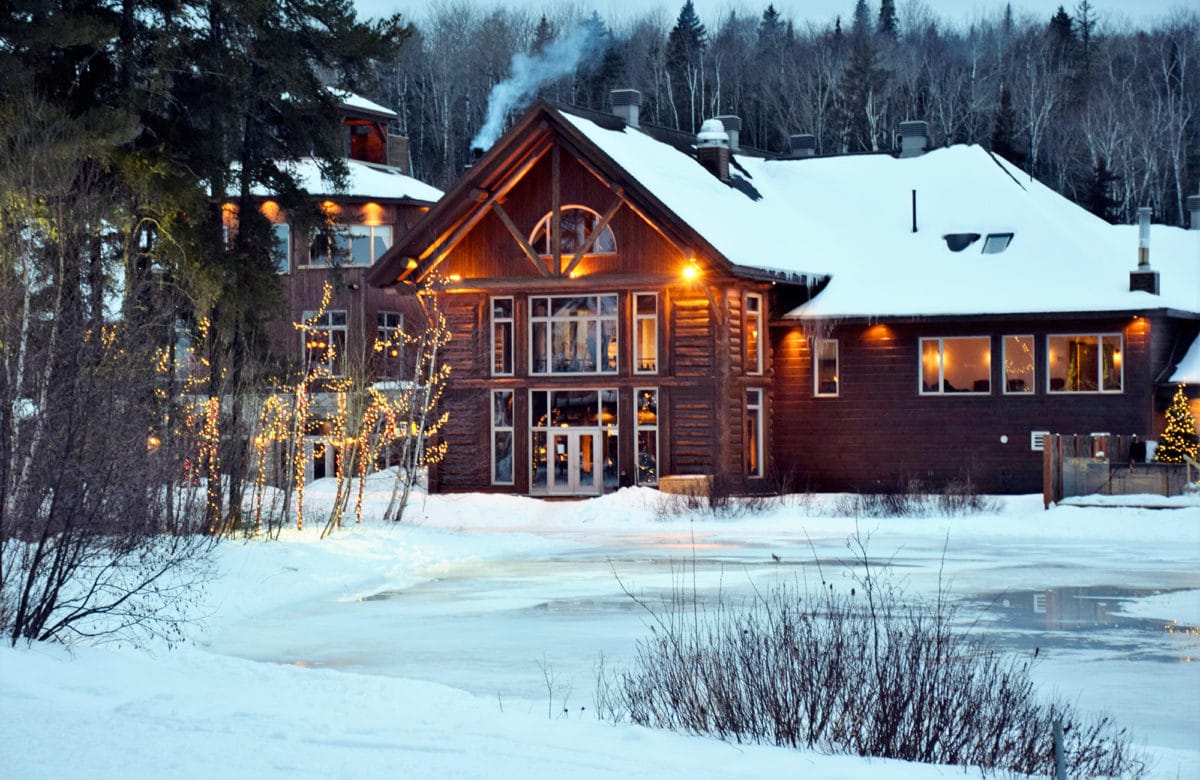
(626,103)
(803,145)
(733,128)
(914,138)
(957,242)
(1193,204)
(712,148)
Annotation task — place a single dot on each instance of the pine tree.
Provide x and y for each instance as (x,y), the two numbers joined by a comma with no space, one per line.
(1004,130)
(601,70)
(1179,438)
(685,52)
(888,26)
(1097,194)
(861,85)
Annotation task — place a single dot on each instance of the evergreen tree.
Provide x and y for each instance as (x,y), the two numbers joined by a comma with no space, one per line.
(1097,194)
(602,70)
(542,35)
(1062,34)
(1179,438)
(685,67)
(1004,140)
(861,87)
(888,26)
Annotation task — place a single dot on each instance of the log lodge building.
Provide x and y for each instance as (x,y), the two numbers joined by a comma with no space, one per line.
(628,302)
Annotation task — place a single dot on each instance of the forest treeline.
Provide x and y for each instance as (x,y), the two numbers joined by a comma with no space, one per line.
(1104,113)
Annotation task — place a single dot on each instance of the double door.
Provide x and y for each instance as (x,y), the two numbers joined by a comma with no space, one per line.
(573,465)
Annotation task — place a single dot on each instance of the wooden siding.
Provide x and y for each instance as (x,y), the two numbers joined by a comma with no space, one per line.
(880,431)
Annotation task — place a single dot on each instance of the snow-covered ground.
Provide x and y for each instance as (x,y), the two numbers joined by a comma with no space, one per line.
(451,646)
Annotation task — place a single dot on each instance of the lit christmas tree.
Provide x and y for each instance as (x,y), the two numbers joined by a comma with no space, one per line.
(1179,438)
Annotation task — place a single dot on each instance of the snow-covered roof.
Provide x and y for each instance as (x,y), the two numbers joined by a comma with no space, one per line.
(850,217)
(1188,370)
(364,180)
(351,100)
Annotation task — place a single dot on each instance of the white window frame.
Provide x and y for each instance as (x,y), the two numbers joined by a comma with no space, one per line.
(941,384)
(510,322)
(754,368)
(639,428)
(599,318)
(652,321)
(344,237)
(817,344)
(499,428)
(754,410)
(1028,391)
(1100,338)
(325,323)
(281,247)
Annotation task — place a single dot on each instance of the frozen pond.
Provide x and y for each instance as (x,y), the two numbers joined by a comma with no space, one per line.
(525,627)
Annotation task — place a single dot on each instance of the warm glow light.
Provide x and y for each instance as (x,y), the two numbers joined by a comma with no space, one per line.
(879,333)
(573,274)
(690,271)
(153,442)
(372,214)
(329,208)
(456,277)
(270,210)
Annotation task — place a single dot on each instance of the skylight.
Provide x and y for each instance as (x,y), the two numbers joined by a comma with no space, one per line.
(996,243)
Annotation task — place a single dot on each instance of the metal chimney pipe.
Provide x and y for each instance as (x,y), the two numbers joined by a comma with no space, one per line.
(1144,238)
(1193,204)
(626,103)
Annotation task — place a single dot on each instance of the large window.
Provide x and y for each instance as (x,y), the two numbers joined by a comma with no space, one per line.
(351,245)
(753,441)
(825,367)
(573,440)
(1018,364)
(645,333)
(753,333)
(961,364)
(576,223)
(646,402)
(573,334)
(281,249)
(502,437)
(325,343)
(1085,363)
(502,336)
(389,341)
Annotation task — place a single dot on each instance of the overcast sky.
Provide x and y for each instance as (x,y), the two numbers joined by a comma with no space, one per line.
(711,11)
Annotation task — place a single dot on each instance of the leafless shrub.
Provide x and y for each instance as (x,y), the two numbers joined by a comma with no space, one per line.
(861,672)
(912,498)
(714,498)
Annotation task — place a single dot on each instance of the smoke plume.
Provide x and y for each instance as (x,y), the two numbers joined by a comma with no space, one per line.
(529,73)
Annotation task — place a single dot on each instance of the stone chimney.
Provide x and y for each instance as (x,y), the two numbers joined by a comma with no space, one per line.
(733,128)
(914,138)
(803,145)
(712,148)
(1193,205)
(1143,278)
(626,103)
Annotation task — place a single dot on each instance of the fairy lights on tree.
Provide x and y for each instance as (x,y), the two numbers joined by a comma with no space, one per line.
(1179,438)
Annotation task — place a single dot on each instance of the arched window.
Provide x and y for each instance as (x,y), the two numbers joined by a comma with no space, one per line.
(578,222)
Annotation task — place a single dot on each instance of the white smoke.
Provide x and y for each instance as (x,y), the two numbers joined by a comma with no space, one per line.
(529,72)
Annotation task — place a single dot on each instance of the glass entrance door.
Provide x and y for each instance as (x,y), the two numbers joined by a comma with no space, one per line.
(573,466)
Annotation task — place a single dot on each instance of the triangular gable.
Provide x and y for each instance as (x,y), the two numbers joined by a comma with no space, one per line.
(542,135)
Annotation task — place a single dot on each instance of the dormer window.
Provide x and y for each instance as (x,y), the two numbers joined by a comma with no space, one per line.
(577,223)
(995,243)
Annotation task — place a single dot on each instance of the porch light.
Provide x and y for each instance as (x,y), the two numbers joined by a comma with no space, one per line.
(456,278)
(691,270)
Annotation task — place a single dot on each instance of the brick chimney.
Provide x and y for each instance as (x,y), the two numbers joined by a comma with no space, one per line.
(914,138)
(712,148)
(626,103)
(1143,278)
(733,128)
(802,145)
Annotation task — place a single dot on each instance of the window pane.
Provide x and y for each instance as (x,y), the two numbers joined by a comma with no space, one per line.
(647,457)
(502,307)
(966,365)
(539,347)
(608,337)
(1018,364)
(753,329)
(647,344)
(382,242)
(1111,355)
(827,367)
(612,460)
(1074,363)
(647,407)
(931,365)
(539,463)
(502,406)
(502,358)
(502,453)
(539,408)
(752,443)
(360,248)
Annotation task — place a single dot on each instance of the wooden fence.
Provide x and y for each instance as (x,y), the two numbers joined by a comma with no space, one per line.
(1108,464)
